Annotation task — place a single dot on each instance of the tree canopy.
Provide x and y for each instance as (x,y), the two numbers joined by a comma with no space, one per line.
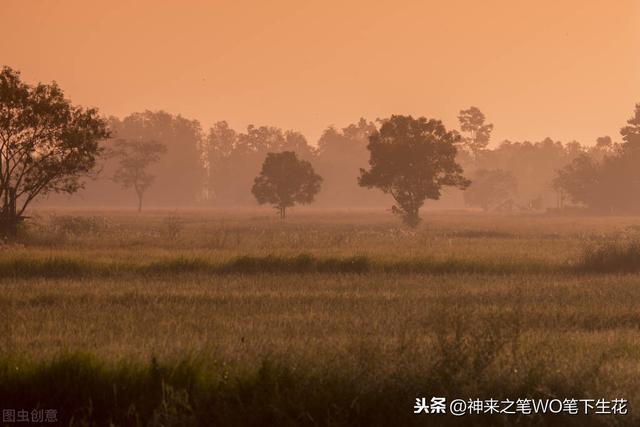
(285,180)
(134,158)
(234,158)
(412,159)
(478,134)
(610,183)
(47,144)
(180,174)
(631,132)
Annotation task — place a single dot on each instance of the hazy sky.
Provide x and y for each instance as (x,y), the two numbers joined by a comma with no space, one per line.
(562,68)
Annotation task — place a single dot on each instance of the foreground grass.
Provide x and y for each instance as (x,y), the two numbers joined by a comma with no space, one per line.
(315,349)
(85,390)
(153,320)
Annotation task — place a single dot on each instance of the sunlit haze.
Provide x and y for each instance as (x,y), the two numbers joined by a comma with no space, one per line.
(569,70)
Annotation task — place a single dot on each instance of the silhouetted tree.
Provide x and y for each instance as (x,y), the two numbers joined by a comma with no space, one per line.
(46,145)
(341,155)
(604,143)
(631,132)
(611,182)
(472,122)
(412,159)
(285,180)
(604,147)
(180,175)
(490,188)
(234,159)
(581,181)
(533,164)
(134,159)
(219,147)
(269,139)
(623,168)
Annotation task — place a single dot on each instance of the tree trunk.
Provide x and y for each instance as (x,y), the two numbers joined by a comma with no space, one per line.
(139,202)
(412,218)
(9,219)
(9,227)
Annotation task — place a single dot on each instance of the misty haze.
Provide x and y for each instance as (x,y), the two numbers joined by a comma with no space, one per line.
(325,214)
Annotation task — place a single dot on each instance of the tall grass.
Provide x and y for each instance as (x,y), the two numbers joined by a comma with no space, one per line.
(70,267)
(471,358)
(334,322)
(611,257)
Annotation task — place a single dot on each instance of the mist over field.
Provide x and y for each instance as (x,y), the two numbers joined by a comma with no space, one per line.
(336,214)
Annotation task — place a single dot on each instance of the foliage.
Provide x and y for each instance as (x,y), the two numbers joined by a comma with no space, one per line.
(472,122)
(580,180)
(631,132)
(180,173)
(612,183)
(134,159)
(47,144)
(490,188)
(219,146)
(285,181)
(235,158)
(532,164)
(412,159)
(342,152)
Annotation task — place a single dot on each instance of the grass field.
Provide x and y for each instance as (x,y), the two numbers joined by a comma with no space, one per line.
(331,318)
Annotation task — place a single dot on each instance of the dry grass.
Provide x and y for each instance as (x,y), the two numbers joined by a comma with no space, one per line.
(381,334)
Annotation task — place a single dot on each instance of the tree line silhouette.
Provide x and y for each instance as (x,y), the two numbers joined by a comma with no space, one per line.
(217,167)
(49,146)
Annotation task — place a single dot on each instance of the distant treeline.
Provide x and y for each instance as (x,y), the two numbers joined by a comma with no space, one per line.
(217,167)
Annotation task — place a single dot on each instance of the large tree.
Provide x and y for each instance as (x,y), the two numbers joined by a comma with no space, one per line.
(47,145)
(285,180)
(412,159)
(134,159)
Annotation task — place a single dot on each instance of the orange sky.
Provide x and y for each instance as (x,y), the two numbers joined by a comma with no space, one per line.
(566,69)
